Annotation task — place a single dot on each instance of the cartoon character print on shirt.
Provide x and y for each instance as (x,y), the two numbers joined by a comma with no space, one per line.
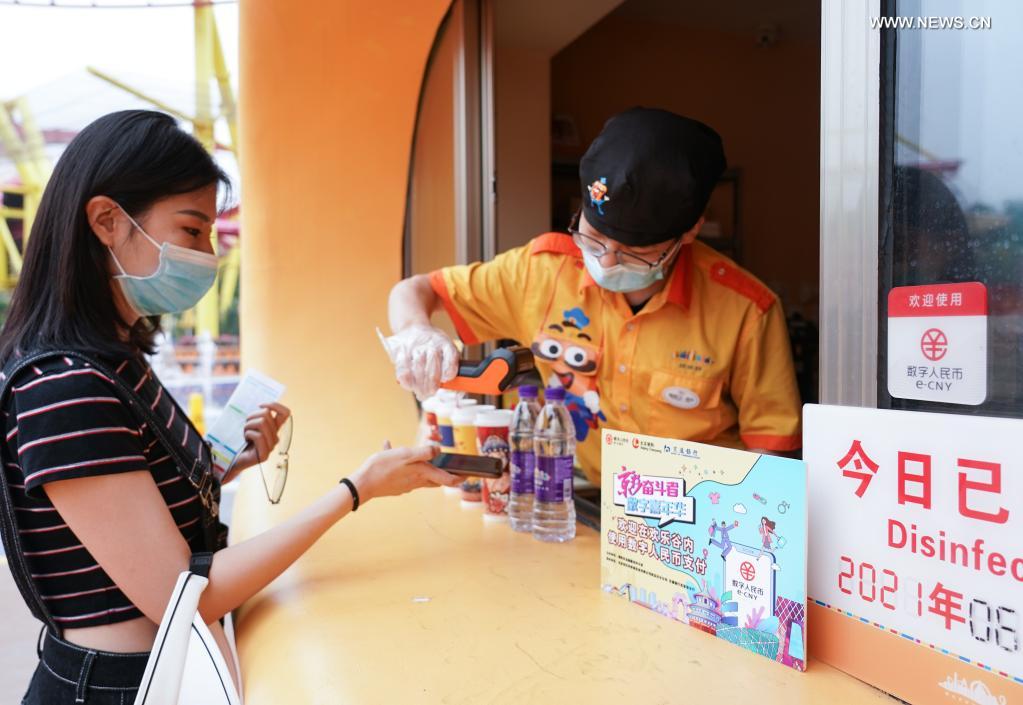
(574,358)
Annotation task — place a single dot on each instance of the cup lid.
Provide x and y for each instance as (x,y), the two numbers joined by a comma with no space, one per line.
(464,415)
(495,418)
(444,408)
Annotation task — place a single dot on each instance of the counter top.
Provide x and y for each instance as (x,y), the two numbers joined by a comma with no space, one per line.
(416,600)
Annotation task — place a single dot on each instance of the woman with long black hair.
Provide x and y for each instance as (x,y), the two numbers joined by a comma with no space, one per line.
(105,501)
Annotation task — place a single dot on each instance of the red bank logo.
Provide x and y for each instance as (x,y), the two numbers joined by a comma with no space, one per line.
(934,344)
(635,443)
(607,439)
(747,571)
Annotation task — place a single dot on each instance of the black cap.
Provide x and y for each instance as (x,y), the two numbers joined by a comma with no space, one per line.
(648,175)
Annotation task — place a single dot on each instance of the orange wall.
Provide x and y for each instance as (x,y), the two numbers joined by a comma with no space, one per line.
(765,103)
(328,102)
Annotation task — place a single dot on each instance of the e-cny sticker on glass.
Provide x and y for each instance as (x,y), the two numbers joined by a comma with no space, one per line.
(915,555)
(711,537)
(937,343)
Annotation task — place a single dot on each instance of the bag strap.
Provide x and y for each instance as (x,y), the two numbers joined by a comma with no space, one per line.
(185,659)
(200,563)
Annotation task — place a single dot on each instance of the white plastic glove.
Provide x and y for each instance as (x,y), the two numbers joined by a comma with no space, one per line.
(424,357)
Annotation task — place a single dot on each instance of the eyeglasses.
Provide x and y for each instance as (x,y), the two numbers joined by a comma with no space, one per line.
(274,481)
(598,249)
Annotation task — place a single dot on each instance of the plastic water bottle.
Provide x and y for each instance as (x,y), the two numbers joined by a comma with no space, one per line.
(553,508)
(523,459)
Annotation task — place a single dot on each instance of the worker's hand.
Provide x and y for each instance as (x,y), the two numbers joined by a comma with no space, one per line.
(396,471)
(423,357)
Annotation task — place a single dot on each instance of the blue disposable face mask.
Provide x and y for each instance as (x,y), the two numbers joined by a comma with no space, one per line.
(181,279)
(621,278)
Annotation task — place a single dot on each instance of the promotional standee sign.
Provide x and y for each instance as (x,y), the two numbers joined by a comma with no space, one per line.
(916,551)
(711,537)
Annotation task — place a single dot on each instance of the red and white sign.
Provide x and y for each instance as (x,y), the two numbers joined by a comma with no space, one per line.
(937,343)
(915,552)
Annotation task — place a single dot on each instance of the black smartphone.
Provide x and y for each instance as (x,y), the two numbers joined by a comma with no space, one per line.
(469,465)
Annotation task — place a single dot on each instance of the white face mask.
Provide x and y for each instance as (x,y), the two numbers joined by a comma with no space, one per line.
(623,278)
(181,279)
(619,278)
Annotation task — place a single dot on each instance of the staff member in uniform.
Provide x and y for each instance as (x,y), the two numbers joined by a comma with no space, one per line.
(648,330)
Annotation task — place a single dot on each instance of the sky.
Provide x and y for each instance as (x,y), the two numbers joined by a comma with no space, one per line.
(40,44)
(44,52)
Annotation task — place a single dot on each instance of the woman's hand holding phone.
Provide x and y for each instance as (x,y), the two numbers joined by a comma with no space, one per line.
(397,471)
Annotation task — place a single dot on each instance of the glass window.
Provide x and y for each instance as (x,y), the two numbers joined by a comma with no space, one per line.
(951,206)
(430,209)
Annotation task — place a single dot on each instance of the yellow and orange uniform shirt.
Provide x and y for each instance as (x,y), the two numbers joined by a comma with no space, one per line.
(706,359)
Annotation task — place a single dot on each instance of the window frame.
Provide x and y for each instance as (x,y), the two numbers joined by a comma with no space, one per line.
(850,191)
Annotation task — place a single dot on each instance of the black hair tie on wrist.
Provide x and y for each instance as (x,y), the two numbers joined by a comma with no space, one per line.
(355,493)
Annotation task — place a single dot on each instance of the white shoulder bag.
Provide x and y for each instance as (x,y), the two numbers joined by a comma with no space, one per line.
(186,666)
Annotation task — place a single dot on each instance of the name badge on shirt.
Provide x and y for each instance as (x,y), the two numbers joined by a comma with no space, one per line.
(681,397)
